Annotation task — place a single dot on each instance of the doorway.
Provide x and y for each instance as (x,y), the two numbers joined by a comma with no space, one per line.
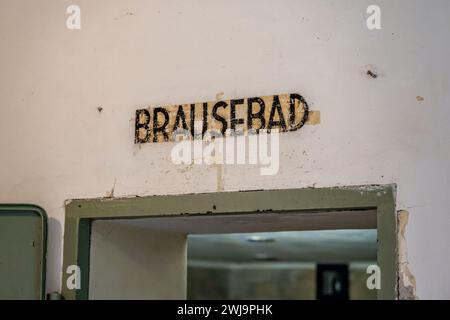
(138,248)
(286,265)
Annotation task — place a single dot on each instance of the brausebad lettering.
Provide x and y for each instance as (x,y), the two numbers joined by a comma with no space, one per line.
(285,112)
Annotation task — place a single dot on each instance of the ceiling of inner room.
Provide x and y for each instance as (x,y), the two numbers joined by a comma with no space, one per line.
(339,236)
(259,222)
(325,246)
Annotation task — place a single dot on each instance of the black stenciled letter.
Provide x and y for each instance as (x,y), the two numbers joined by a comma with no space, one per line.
(234,121)
(258,115)
(192,112)
(180,116)
(220,104)
(205,118)
(292,98)
(162,128)
(276,106)
(142,122)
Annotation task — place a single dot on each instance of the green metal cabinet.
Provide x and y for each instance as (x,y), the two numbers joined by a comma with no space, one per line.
(23,243)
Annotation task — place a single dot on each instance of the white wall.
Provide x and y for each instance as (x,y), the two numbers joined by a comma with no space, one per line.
(55,145)
(126,263)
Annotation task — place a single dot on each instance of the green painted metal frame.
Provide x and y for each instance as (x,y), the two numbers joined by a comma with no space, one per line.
(40,212)
(80,213)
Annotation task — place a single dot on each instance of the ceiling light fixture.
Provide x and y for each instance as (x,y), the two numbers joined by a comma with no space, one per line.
(257,238)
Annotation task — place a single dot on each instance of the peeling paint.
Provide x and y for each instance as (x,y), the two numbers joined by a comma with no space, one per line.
(129,13)
(371,71)
(313,117)
(219,96)
(186,168)
(368,188)
(110,194)
(371,74)
(406,281)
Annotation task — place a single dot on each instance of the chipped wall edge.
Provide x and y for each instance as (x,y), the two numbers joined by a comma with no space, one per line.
(406,280)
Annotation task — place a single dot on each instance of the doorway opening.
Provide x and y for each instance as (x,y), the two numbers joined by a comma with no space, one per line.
(320,240)
(248,256)
(300,265)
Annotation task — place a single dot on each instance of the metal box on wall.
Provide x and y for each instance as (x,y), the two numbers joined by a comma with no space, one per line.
(23,243)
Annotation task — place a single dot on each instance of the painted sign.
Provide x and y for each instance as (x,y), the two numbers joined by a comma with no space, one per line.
(285,112)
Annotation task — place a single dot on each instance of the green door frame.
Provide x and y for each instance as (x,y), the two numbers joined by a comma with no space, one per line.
(80,213)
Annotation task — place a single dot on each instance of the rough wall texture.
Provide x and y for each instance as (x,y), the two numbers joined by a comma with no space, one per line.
(57,145)
(406,281)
